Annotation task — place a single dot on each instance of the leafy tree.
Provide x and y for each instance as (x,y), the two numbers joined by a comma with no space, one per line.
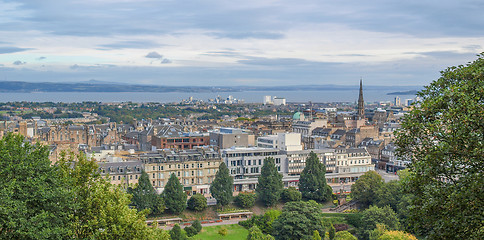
(255,234)
(316,235)
(298,221)
(375,215)
(176,233)
(221,187)
(35,201)
(144,196)
(344,235)
(175,198)
(443,138)
(312,182)
(332,232)
(245,199)
(291,194)
(396,235)
(223,231)
(364,189)
(269,184)
(197,225)
(197,202)
(191,231)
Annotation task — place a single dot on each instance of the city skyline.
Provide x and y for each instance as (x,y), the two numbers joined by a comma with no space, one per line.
(219,43)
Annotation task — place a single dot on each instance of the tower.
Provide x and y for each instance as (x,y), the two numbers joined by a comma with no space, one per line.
(361,103)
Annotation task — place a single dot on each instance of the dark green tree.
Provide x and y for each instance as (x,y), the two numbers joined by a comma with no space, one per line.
(269,184)
(312,182)
(364,189)
(197,202)
(35,201)
(291,194)
(197,225)
(176,233)
(144,196)
(190,231)
(245,199)
(332,232)
(298,221)
(221,187)
(443,138)
(375,215)
(173,195)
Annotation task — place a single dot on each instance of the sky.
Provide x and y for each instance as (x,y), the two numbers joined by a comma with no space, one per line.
(232,43)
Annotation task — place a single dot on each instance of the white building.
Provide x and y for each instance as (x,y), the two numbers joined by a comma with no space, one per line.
(267,100)
(278,101)
(281,141)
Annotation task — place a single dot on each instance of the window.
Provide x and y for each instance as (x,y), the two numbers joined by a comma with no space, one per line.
(178,174)
(119,177)
(130,176)
(135,176)
(153,168)
(153,175)
(260,162)
(114,177)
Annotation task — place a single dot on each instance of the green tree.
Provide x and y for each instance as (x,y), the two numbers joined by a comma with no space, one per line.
(221,187)
(173,195)
(396,235)
(298,221)
(255,234)
(375,215)
(245,199)
(35,201)
(197,225)
(176,233)
(364,189)
(312,182)
(443,138)
(269,184)
(316,235)
(344,235)
(197,202)
(190,231)
(332,232)
(144,196)
(291,194)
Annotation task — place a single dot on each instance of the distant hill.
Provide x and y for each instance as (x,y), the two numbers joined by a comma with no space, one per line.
(98,86)
(411,92)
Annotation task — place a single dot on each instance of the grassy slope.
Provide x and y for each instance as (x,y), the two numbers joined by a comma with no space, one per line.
(235,232)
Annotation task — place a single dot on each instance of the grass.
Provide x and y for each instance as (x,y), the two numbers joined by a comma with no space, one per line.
(235,232)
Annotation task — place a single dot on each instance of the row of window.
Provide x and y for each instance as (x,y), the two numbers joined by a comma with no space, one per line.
(193,165)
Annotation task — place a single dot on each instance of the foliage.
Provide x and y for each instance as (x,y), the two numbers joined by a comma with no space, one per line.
(396,235)
(298,221)
(312,182)
(175,198)
(144,196)
(269,184)
(197,225)
(378,231)
(344,235)
(332,232)
(316,235)
(221,187)
(197,202)
(256,234)
(291,194)
(263,222)
(235,232)
(443,138)
(223,231)
(375,215)
(245,199)
(340,227)
(176,233)
(35,201)
(365,187)
(191,231)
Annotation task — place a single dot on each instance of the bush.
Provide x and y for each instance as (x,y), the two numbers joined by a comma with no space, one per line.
(340,227)
(191,231)
(291,194)
(197,202)
(247,223)
(245,199)
(197,225)
(223,231)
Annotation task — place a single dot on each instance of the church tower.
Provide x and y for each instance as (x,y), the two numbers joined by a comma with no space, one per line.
(361,103)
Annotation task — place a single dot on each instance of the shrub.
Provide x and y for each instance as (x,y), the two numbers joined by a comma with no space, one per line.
(197,202)
(223,231)
(245,199)
(291,194)
(191,231)
(197,225)
(341,227)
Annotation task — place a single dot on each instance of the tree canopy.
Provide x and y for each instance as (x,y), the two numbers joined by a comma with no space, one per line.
(221,187)
(443,138)
(298,221)
(144,196)
(174,196)
(312,182)
(365,188)
(269,185)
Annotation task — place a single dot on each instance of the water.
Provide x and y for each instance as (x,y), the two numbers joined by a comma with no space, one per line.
(249,96)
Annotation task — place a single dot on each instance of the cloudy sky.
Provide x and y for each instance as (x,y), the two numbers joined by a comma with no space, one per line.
(249,42)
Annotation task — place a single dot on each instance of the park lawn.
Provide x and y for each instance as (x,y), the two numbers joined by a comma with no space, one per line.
(235,232)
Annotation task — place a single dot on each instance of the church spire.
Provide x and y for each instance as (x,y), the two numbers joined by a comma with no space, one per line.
(361,103)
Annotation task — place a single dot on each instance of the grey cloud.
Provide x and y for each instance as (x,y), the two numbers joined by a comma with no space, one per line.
(90,67)
(131,44)
(18,62)
(223,53)
(154,55)
(245,35)
(280,62)
(40,58)
(4,50)
(165,61)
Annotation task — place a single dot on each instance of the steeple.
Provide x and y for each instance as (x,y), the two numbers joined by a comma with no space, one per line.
(361,103)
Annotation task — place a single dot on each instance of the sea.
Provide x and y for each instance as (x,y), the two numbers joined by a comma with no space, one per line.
(169,97)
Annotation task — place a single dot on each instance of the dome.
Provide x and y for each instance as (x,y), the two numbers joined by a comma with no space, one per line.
(298,116)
